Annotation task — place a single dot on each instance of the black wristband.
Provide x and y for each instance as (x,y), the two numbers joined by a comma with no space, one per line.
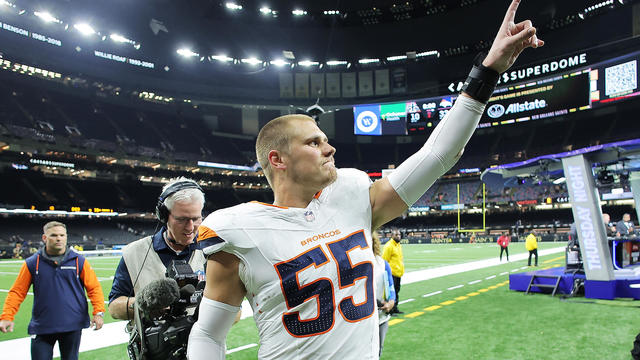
(481,83)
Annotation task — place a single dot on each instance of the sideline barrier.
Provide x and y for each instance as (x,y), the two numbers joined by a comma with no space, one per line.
(92,253)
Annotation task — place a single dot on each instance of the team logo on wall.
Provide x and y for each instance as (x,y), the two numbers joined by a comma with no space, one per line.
(495,111)
(367,120)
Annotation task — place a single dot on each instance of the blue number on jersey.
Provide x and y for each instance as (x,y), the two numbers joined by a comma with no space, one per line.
(322,288)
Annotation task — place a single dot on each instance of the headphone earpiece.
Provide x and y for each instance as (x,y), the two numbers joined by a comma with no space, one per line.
(162,213)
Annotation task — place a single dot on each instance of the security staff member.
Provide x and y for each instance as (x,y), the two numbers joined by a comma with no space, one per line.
(60,277)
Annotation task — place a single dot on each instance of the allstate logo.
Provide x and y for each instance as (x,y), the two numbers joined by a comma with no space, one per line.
(367,121)
(495,111)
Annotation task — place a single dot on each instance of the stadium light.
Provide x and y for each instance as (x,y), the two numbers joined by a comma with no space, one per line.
(336,62)
(428,53)
(279,62)
(222,58)
(187,52)
(84,29)
(251,61)
(368,61)
(266,11)
(298,12)
(233,6)
(47,17)
(396,58)
(121,39)
(307,63)
(331,12)
(6,3)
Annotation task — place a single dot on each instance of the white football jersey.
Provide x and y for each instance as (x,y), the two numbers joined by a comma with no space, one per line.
(309,273)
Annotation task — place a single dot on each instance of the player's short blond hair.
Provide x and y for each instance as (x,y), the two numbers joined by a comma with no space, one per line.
(51,224)
(275,135)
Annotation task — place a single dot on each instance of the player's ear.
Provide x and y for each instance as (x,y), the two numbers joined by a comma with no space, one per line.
(276,160)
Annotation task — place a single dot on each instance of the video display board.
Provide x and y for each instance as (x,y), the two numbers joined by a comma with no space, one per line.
(615,80)
(401,118)
(587,87)
(540,99)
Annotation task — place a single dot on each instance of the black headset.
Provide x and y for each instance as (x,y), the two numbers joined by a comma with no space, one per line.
(162,213)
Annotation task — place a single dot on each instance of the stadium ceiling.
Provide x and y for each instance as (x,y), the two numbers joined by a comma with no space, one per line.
(314,31)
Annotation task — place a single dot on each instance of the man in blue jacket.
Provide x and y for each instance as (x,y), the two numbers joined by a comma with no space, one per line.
(59,276)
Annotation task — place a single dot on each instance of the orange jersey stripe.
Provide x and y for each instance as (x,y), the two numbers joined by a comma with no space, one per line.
(205,233)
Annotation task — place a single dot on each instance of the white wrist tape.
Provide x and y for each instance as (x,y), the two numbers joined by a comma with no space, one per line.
(441,151)
(207,339)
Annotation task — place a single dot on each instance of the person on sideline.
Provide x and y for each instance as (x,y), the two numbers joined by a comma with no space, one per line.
(531,244)
(503,242)
(304,262)
(392,253)
(385,293)
(60,276)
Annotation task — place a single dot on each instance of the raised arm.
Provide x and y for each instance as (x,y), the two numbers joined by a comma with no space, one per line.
(219,307)
(392,195)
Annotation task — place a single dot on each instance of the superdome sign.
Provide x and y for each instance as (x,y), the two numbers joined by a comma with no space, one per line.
(542,69)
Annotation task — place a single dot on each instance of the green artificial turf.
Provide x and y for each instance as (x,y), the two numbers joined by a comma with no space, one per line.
(482,320)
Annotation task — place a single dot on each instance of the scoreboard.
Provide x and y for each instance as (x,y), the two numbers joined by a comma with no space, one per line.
(589,87)
(401,118)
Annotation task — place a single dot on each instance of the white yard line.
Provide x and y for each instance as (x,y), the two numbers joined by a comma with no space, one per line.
(433,293)
(406,301)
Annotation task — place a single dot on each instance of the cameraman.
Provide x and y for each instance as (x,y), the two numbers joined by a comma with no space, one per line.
(179,210)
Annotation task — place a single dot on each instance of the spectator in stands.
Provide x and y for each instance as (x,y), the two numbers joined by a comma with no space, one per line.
(179,211)
(385,293)
(392,253)
(531,243)
(59,276)
(17,250)
(503,242)
(625,227)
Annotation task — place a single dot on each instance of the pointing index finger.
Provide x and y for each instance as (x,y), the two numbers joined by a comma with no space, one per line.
(510,16)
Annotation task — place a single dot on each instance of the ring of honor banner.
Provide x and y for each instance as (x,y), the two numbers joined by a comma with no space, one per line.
(365,83)
(382,82)
(302,85)
(317,85)
(349,84)
(286,85)
(333,85)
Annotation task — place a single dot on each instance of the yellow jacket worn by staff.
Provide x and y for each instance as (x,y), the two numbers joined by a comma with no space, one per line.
(392,252)
(531,242)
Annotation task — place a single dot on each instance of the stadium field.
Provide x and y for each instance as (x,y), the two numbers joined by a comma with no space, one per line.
(464,315)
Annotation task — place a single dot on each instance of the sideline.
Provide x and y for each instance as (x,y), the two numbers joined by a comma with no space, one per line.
(114,334)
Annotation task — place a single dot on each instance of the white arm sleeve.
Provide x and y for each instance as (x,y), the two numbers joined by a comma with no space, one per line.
(207,340)
(441,151)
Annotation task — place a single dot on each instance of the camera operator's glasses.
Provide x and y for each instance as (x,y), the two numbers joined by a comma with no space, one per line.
(184,220)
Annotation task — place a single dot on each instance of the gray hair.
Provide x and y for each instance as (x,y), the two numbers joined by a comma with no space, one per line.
(184,195)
